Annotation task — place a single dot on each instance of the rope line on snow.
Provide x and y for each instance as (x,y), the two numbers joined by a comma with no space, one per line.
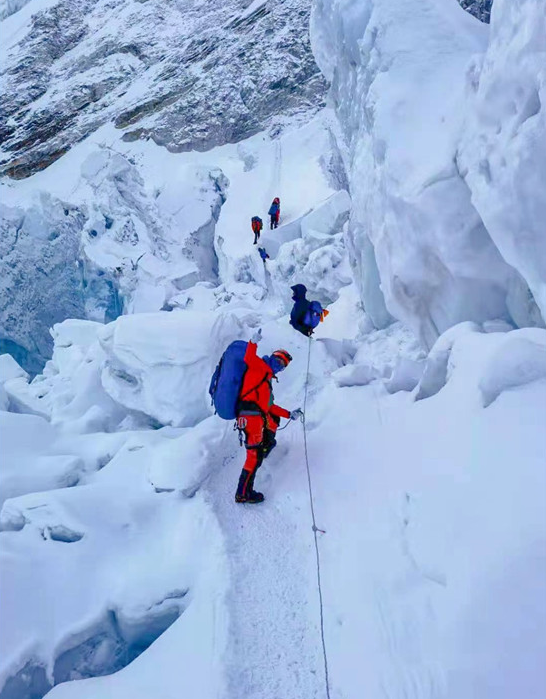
(315,528)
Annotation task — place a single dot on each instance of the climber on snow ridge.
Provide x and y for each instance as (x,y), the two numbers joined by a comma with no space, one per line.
(259,417)
(305,314)
(257,225)
(274,213)
(241,388)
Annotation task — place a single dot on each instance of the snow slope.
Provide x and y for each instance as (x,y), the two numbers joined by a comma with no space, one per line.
(435,544)
(418,530)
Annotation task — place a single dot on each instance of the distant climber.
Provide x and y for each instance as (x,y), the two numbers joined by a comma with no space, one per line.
(257,225)
(241,388)
(263,254)
(274,213)
(305,314)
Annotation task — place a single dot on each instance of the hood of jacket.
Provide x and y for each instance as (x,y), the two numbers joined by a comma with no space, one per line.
(299,292)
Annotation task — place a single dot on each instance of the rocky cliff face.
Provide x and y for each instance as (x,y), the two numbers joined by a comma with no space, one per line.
(190,74)
(479,8)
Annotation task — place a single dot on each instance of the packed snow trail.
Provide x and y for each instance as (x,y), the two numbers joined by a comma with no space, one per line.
(276,591)
(274,635)
(274,189)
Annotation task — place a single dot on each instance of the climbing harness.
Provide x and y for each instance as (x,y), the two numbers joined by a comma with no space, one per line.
(315,528)
(240,424)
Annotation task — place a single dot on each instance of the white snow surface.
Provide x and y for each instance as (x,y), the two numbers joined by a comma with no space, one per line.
(429,507)
(127,571)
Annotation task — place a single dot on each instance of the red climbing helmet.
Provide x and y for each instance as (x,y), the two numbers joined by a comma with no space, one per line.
(283,355)
(276,200)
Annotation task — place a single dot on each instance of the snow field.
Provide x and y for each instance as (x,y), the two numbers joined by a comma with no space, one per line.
(141,557)
(400,563)
(434,513)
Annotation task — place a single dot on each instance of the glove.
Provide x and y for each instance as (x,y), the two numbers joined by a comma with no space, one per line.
(295,414)
(257,336)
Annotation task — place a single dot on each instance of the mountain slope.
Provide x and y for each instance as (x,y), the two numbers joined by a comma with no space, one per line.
(189,74)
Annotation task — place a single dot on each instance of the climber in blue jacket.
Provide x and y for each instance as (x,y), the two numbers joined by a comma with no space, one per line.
(305,315)
(274,213)
(300,308)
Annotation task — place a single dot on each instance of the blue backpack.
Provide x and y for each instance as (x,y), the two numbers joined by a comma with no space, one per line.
(313,315)
(227,380)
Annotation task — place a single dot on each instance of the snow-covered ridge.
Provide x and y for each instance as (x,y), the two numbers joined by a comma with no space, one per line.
(444,132)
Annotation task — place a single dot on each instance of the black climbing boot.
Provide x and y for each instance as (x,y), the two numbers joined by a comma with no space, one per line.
(253,495)
(245,492)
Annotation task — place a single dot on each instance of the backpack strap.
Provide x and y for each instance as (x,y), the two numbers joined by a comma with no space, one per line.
(254,388)
(214,382)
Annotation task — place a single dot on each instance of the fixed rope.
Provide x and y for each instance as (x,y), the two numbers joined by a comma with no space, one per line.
(315,528)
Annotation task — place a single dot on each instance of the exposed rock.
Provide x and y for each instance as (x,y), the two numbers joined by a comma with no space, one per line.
(479,8)
(208,73)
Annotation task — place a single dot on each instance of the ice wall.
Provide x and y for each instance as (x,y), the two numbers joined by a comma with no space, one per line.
(406,87)
(90,238)
(40,282)
(502,154)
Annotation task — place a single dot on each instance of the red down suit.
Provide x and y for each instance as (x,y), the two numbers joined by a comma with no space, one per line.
(258,415)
